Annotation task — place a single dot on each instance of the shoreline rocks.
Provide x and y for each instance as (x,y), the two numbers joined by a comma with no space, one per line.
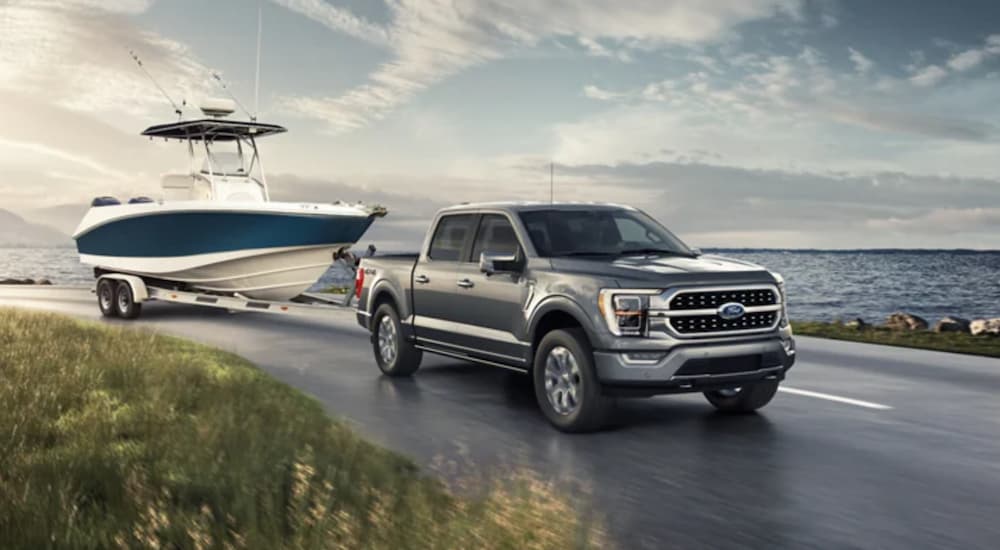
(905,322)
(983,327)
(26,281)
(952,324)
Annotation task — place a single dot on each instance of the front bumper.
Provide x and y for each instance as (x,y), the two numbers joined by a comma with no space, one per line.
(697,366)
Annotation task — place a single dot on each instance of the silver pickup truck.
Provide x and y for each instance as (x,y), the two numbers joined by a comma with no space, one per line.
(594,301)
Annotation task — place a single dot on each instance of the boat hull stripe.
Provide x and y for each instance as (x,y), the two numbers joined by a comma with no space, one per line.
(189,233)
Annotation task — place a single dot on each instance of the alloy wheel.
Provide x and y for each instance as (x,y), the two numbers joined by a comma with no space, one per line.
(387,344)
(562,380)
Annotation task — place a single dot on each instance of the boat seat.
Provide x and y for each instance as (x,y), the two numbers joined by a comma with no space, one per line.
(105,201)
(139,200)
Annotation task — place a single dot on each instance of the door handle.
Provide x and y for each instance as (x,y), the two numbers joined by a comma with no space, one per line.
(422,279)
(465,283)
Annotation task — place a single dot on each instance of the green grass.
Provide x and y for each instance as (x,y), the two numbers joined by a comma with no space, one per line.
(988,346)
(115,437)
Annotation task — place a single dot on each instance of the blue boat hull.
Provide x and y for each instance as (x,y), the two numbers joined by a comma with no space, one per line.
(173,234)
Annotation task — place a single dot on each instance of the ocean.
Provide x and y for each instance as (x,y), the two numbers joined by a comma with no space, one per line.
(822,285)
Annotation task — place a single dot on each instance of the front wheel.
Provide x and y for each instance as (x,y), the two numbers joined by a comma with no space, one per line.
(566,384)
(745,399)
(106,297)
(394,355)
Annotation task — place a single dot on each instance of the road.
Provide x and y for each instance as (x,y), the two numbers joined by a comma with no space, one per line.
(866,446)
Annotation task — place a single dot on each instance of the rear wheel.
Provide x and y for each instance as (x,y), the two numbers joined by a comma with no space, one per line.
(106,297)
(125,305)
(566,385)
(744,399)
(394,355)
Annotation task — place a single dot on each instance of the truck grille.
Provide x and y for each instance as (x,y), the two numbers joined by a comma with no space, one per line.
(715,298)
(693,324)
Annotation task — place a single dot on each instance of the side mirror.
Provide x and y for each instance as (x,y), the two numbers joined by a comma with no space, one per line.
(490,263)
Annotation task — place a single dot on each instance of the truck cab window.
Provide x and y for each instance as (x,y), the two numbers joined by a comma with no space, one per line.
(449,238)
(496,236)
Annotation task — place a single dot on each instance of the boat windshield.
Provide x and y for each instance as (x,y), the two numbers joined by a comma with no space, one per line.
(231,158)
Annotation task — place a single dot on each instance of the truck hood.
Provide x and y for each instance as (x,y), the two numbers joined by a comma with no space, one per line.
(661,270)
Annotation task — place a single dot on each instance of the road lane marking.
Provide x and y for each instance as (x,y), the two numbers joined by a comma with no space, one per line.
(837,398)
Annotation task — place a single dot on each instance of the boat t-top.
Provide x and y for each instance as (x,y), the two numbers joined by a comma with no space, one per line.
(215,230)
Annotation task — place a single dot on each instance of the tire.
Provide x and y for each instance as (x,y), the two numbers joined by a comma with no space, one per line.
(106,297)
(743,400)
(125,305)
(566,385)
(394,355)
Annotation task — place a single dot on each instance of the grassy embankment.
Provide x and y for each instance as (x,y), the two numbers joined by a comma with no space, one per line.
(122,438)
(954,342)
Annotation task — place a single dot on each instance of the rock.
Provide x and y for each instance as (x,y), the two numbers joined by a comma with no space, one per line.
(985,327)
(905,321)
(952,324)
(11,281)
(857,324)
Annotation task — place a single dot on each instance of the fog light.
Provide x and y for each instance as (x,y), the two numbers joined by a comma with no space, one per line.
(644,356)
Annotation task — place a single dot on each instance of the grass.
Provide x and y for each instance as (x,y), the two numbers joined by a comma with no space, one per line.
(114,437)
(954,342)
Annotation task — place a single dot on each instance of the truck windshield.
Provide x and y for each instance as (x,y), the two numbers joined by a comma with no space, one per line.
(560,232)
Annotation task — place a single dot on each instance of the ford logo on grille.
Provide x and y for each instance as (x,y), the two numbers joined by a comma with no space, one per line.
(731,311)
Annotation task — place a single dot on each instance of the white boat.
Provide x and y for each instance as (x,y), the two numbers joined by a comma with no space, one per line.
(216,229)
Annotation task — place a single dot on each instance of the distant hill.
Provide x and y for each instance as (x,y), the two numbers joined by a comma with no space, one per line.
(16,232)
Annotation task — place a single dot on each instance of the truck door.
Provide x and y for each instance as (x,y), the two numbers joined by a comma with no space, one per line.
(435,295)
(492,306)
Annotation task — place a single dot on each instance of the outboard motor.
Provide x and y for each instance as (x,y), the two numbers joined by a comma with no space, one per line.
(105,201)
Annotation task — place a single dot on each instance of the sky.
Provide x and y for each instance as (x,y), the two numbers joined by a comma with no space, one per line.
(737,123)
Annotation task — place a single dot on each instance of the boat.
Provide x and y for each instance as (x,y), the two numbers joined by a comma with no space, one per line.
(215,229)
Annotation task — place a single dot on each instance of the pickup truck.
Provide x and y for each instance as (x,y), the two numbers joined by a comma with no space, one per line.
(593,301)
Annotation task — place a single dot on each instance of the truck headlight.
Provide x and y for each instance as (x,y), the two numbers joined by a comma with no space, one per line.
(783,296)
(625,311)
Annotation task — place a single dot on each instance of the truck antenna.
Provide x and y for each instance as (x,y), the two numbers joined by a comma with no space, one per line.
(177,109)
(256,79)
(552,181)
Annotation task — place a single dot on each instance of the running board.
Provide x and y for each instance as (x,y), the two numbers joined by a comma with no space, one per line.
(456,355)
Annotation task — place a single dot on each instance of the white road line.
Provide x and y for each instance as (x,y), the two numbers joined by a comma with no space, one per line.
(837,398)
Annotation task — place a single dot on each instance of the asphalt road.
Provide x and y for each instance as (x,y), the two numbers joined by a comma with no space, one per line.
(866,446)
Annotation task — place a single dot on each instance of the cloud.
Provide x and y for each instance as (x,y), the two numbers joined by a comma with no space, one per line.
(338,19)
(712,205)
(972,58)
(594,92)
(75,54)
(434,39)
(928,76)
(861,63)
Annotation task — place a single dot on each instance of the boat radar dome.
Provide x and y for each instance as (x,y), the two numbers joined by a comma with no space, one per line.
(217,108)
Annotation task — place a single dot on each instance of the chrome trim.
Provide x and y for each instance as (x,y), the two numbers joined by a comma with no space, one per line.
(663,310)
(682,377)
(476,331)
(695,312)
(464,357)
(473,350)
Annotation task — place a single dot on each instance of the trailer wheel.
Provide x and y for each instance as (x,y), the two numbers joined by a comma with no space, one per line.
(125,304)
(106,297)
(394,355)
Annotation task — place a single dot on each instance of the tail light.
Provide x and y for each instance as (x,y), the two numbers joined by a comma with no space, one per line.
(359,281)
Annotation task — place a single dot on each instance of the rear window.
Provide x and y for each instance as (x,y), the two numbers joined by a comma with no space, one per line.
(449,237)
